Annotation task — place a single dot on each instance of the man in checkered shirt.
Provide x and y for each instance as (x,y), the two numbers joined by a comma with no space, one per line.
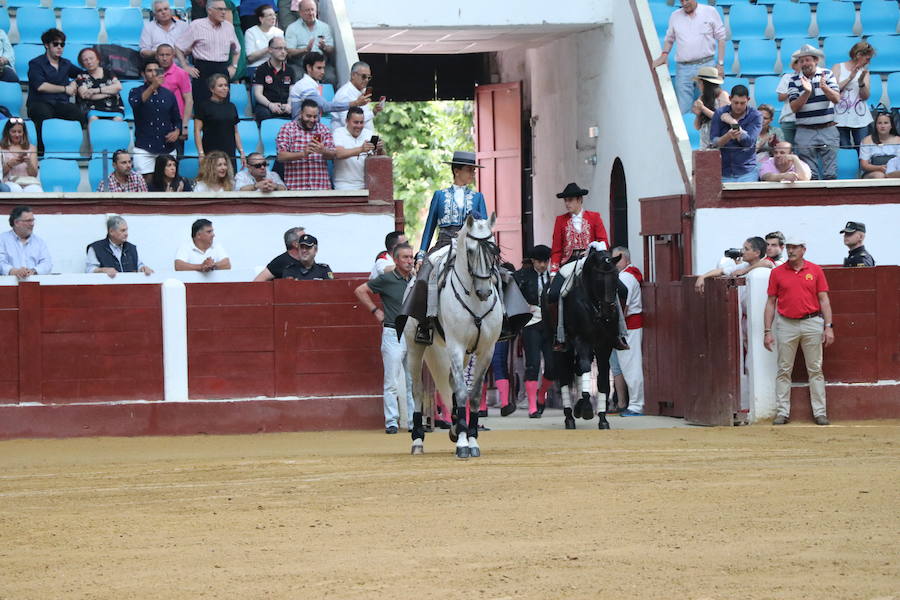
(123,178)
(303,146)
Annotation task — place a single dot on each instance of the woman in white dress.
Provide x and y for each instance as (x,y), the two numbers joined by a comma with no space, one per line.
(852,113)
(256,39)
(879,148)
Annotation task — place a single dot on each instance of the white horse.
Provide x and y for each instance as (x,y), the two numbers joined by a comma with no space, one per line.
(470,316)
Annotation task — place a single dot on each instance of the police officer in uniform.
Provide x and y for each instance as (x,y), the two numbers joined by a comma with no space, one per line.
(307,268)
(854,236)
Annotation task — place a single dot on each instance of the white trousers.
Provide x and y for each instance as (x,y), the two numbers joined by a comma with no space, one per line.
(632,364)
(396,377)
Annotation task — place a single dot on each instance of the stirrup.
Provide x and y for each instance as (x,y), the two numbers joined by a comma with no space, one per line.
(621,344)
(424,334)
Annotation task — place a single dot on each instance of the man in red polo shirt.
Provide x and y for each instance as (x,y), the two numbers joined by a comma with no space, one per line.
(799,292)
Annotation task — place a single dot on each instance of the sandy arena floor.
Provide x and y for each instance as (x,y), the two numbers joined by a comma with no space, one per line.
(688,513)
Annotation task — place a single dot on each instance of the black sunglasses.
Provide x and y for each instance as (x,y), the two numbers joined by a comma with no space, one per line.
(257,165)
(58,44)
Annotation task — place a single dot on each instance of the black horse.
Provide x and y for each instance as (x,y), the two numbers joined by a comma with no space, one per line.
(591,323)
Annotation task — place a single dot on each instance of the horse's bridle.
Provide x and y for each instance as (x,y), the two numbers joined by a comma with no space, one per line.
(485,245)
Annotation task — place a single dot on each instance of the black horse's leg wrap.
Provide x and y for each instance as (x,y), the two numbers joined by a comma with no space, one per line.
(418,430)
(473,424)
(461,426)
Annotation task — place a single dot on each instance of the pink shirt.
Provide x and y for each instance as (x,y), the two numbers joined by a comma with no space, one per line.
(178,82)
(206,41)
(768,166)
(695,35)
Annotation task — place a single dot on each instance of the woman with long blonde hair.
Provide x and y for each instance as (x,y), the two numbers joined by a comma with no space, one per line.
(216,173)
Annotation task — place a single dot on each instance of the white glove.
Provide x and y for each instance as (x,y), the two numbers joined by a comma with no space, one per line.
(599,246)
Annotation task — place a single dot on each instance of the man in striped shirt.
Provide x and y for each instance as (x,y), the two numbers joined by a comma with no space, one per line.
(214,48)
(813,92)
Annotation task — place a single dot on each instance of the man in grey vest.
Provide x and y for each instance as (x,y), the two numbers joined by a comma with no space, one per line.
(114,253)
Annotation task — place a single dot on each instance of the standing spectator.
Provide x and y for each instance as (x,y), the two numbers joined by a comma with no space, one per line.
(852,112)
(249,12)
(23,254)
(114,253)
(216,173)
(360,77)
(214,47)
(157,124)
(813,93)
(783,166)
(788,120)
(712,97)
(291,257)
(19,156)
(303,146)
(98,89)
(631,361)
(272,84)
(165,177)
(309,87)
(51,84)
(769,135)
(700,35)
(163,28)
(753,253)
(798,291)
(176,80)
(201,254)
(309,34)
(122,179)
(384,262)
(7,60)
(774,247)
(537,339)
(352,145)
(854,237)
(877,150)
(734,130)
(257,177)
(391,286)
(216,122)
(258,37)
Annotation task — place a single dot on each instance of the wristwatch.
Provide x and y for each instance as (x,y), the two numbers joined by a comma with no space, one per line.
(829,325)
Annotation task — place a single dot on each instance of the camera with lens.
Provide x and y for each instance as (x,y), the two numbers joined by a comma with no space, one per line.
(733,253)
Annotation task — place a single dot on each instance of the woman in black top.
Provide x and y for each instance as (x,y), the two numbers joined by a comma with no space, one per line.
(98,89)
(165,177)
(216,120)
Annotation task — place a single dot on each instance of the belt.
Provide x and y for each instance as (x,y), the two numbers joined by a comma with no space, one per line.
(819,126)
(699,61)
(200,61)
(809,316)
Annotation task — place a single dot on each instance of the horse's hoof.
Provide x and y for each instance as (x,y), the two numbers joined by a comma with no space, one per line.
(570,423)
(584,409)
(462,452)
(474,449)
(418,447)
(453,435)
(603,423)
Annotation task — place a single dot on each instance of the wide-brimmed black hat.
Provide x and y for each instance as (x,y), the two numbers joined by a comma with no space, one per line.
(540,252)
(853,227)
(465,159)
(572,190)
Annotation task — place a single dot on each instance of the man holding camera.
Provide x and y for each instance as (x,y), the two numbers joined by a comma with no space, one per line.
(752,255)
(734,129)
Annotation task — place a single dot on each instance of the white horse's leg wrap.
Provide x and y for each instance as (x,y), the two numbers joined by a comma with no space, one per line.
(566,394)
(586,382)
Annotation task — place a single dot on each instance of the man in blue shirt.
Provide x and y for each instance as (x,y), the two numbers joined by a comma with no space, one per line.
(734,130)
(23,254)
(157,120)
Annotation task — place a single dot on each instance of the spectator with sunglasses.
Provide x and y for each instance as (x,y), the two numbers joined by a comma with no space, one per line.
(257,177)
(51,83)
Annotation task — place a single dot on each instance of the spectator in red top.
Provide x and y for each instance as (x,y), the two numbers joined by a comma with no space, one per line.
(303,146)
(799,292)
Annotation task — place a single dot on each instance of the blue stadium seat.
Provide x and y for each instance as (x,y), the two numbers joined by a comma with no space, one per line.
(757,57)
(190,145)
(122,4)
(730,82)
(189,167)
(879,16)
(747,21)
(109,135)
(127,86)
(764,90)
(62,137)
(21,3)
(80,24)
(328,92)
(249,133)
(67,3)
(72,50)
(123,24)
(32,21)
(11,97)
(887,59)
(95,171)
(729,58)
(848,163)
(893,89)
(268,131)
(240,98)
(789,45)
(728,2)
(32,131)
(58,175)
(837,48)
(693,134)
(4,19)
(791,20)
(877,89)
(835,18)
(24,53)
(661,14)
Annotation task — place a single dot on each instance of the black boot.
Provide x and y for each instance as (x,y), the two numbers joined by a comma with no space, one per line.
(621,344)
(603,424)
(425,332)
(570,420)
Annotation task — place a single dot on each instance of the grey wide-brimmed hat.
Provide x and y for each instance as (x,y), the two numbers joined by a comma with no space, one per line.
(465,159)
(808,50)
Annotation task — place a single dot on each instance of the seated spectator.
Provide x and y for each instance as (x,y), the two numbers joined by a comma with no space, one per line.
(257,177)
(216,173)
(291,256)
(852,113)
(157,122)
(784,166)
(176,80)
(303,146)
(384,262)
(165,177)
(306,268)
(98,89)
(51,83)
(308,34)
(7,60)
(272,84)
(352,145)
(775,247)
(216,122)
(163,28)
(114,253)
(769,136)
(878,149)
(214,46)
(711,98)
(19,156)
(257,38)
(752,255)
(201,254)
(308,87)
(893,168)
(122,179)
(249,12)
(360,76)
(23,254)
(734,130)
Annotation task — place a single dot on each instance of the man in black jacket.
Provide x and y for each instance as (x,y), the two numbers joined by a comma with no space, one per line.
(537,338)
(114,253)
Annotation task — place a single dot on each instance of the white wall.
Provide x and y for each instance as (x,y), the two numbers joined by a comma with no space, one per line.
(347,242)
(474,13)
(716,229)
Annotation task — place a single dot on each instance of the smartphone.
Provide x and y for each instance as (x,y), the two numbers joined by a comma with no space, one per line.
(735,126)
(317,138)
(374,140)
(381,102)
(370,90)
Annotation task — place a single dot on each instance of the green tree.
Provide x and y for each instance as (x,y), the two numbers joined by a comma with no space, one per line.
(419,136)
